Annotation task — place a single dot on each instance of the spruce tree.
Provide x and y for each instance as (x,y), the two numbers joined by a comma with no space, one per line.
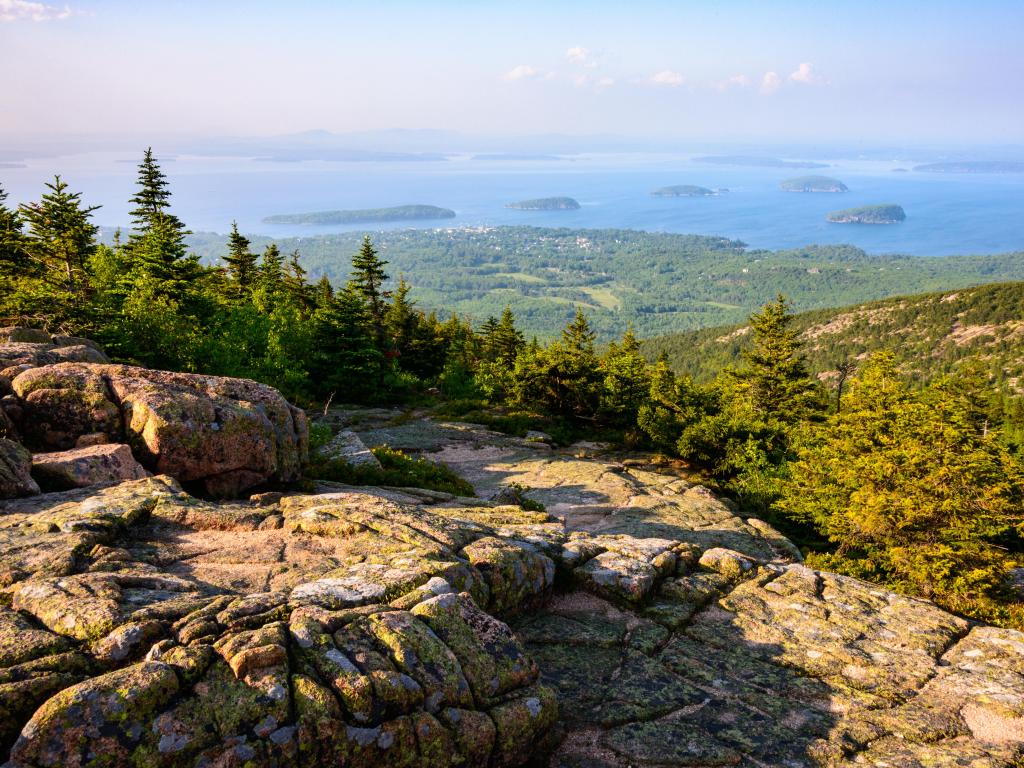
(241,262)
(13,257)
(368,276)
(61,236)
(271,269)
(506,341)
(627,380)
(776,375)
(345,361)
(295,284)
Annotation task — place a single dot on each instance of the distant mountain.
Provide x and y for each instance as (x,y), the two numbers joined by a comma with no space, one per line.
(930,334)
(546,204)
(973,166)
(813,184)
(887,213)
(364,216)
(524,157)
(758,162)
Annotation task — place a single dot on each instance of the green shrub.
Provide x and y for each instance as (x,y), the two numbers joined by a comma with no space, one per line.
(397,469)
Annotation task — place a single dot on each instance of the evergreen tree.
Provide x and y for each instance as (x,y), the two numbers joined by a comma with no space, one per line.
(345,361)
(368,276)
(152,199)
(627,380)
(295,284)
(271,270)
(910,489)
(13,257)
(776,376)
(505,340)
(61,236)
(241,262)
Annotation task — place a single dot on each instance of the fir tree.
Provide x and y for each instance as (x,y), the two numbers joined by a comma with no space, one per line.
(61,236)
(271,269)
(295,284)
(241,262)
(368,276)
(776,376)
(13,257)
(505,341)
(345,361)
(627,380)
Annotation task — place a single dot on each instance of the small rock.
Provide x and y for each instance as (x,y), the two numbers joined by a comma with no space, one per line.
(266,499)
(348,447)
(536,436)
(92,438)
(732,565)
(15,471)
(82,467)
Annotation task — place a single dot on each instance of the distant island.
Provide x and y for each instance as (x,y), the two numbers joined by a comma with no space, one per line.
(758,162)
(546,204)
(868,214)
(515,156)
(813,184)
(364,216)
(973,166)
(686,190)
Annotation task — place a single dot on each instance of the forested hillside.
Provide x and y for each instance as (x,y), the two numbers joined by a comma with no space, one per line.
(930,334)
(656,283)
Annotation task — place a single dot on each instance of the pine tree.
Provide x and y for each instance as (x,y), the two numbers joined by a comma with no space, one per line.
(368,276)
(241,262)
(61,236)
(776,376)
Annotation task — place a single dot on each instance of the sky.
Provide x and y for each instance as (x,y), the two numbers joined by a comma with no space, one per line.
(897,71)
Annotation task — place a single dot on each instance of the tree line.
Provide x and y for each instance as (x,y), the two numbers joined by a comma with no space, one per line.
(912,486)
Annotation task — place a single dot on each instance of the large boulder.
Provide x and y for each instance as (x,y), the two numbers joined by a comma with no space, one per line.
(88,465)
(15,471)
(223,435)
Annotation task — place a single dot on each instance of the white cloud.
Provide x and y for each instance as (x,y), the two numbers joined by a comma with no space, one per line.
(581,56)
(24,10)
(805,74)
(667,77)
(770,83)
(605,82)
(736,81)
(522,72)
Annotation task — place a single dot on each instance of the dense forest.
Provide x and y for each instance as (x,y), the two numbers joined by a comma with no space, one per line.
(917,485)
(656,283)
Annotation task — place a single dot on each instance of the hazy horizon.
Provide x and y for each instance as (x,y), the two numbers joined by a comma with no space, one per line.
(938,74)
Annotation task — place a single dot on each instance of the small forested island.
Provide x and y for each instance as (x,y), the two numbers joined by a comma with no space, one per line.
(813,184)
(364,216)
(515,156)
(758,162)
(686,190)
(868,214)
(973,166)
(546,204)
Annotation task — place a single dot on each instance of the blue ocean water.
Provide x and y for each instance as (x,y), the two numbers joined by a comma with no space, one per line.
(946,214)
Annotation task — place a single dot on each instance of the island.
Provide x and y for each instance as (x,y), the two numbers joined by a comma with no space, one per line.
(364,216)
(813,184)
(686,190)
(973,166)
(546,204)
(887,213)
(518,157)
(758,162)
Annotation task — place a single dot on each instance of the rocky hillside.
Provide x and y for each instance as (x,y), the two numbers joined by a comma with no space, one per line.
(929,333)
(635,620)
